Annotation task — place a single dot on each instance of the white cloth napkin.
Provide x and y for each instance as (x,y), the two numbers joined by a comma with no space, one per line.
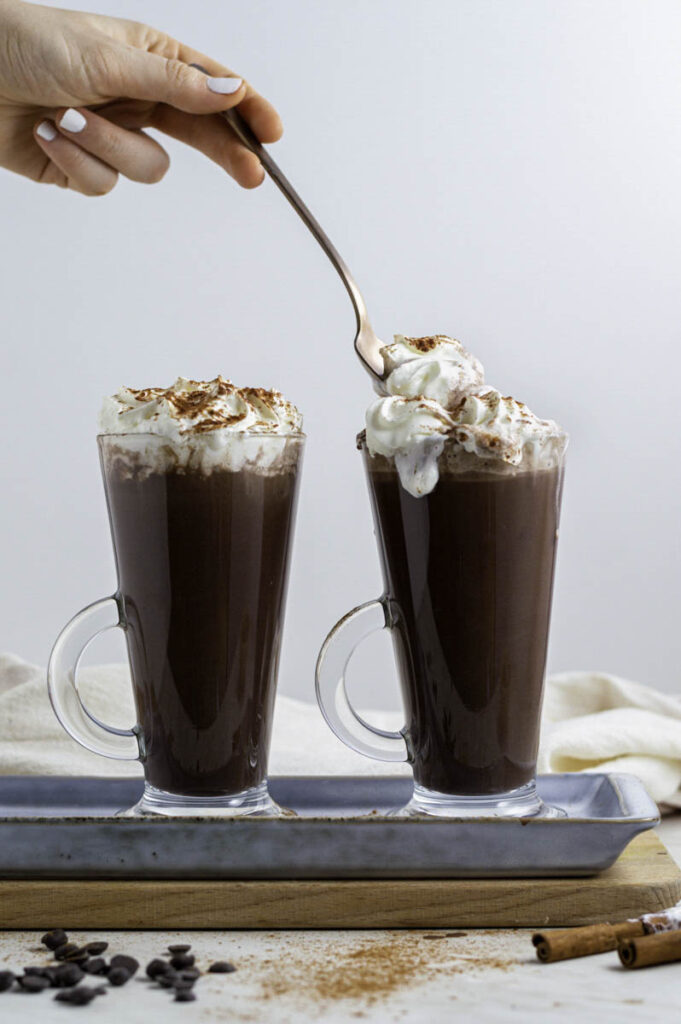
(32,742)
(591,722)
(595,722)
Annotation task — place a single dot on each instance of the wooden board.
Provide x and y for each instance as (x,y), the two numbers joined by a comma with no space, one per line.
(645,878)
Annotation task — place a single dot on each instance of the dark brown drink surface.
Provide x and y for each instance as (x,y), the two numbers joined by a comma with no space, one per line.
(203,565)
(469,571)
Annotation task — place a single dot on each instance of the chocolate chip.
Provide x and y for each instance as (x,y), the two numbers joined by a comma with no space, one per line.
(184,995)
(96,965)
(168,979)
(96,948)
(6,980)
(179,948)
(33,983)
(221,967)
(156,967)
(191,972)
(68,975)
(61,952)
(77,956)
(52,973)
(182,982)
(80,996)
(128,963)
(119,976)
(43,972)
(181,960)
(57,937)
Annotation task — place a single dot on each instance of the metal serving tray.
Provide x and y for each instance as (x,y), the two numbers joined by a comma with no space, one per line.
(52,827)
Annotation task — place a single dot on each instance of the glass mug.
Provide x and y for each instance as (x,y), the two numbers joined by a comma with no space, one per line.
(201,539)
(468,572)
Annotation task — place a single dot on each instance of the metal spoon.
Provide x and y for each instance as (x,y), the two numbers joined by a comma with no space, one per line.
(367,345)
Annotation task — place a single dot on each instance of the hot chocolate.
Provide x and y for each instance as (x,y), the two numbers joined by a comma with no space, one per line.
(468,569)
(201,481)
(202,565)
(465,485)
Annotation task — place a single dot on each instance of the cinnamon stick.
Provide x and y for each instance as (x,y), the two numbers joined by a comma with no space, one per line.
(649,950)
(568,943)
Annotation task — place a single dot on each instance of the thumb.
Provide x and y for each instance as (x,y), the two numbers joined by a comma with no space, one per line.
(147,76)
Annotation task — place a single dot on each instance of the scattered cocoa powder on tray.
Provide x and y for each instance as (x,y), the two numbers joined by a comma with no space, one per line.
(375,967)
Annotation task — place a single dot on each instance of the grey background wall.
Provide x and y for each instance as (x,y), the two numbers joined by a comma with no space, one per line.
(509,173)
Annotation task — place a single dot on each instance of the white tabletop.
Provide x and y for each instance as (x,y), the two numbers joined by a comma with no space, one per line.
(369,976)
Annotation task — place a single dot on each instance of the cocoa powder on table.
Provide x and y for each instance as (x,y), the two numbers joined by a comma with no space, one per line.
(375,967)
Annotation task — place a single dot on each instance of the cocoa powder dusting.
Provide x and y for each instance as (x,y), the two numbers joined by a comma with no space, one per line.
(425,345)
(375,967)
(199,403)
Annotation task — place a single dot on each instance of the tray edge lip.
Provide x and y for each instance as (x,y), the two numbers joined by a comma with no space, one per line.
(630,783)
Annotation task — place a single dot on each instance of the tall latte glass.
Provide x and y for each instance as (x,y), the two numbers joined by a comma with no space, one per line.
(201,528)
(467,543)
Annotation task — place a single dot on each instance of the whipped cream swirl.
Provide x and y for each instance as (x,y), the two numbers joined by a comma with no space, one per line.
(207,424)
(439,368)
(435,392)
(192,407)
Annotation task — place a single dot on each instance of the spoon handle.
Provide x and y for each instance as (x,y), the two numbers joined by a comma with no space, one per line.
(245,134)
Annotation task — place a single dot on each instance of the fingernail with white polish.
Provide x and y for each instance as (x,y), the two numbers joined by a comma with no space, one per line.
(46,131)
(72,121)
(225,86)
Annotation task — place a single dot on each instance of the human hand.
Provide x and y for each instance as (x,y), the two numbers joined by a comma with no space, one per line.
(77,89)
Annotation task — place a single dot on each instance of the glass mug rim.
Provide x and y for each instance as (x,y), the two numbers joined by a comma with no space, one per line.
(362,445)
(233,435)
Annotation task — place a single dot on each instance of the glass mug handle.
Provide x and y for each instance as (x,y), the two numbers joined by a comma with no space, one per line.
(332,696)
(62,685)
